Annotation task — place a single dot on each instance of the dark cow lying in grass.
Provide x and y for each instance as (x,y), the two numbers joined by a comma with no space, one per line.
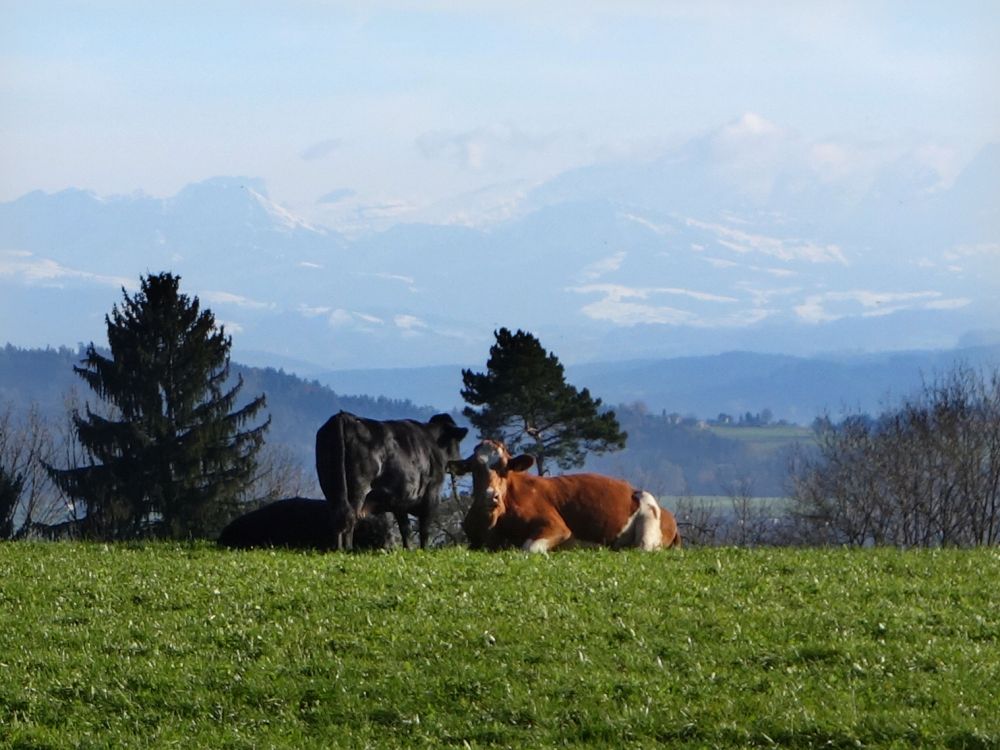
(366,466)
(299,523)
(512,508)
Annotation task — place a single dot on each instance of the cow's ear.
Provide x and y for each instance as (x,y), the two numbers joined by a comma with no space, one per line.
(460,467)
(521,463)
(451,434)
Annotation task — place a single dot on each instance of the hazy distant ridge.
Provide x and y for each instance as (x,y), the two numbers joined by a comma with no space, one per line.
(797,389)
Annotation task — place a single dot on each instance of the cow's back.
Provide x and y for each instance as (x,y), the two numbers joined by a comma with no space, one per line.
(294,522)
(595,508)
(411,461)
(401,457)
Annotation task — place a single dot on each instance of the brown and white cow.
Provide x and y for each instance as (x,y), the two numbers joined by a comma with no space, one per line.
(513,508)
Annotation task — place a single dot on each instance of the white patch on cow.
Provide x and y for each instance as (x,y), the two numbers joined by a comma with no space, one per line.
(536,545)
(488,455)
(642,530)
(648,534)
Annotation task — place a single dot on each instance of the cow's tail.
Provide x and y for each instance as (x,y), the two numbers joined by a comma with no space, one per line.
(331,467)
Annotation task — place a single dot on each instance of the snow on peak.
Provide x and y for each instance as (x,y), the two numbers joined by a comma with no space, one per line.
(284,218)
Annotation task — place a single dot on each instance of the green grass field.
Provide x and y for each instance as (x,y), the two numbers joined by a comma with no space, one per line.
(189,646)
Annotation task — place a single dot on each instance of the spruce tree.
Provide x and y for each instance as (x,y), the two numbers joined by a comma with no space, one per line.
(524,400)
(170,455)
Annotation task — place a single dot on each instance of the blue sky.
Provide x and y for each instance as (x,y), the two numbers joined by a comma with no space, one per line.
(396,106)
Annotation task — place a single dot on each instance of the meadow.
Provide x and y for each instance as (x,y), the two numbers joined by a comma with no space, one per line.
(164,645)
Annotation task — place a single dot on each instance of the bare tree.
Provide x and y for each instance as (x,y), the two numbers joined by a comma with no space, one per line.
(699,520)
(26,444)
(926,473)
(749,522)
(446,526)
(279,474)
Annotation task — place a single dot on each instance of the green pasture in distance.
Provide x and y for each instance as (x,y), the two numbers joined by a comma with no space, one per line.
(161,645)
(721,502)
(768,434)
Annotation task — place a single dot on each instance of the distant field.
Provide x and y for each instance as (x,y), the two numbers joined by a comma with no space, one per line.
(189,646)
(770,434)
(721,502)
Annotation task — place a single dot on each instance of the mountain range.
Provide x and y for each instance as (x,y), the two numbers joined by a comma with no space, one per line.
(795,389)
(746,238)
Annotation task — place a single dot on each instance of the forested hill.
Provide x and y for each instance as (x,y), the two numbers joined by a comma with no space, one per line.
(297,407)
(665,452)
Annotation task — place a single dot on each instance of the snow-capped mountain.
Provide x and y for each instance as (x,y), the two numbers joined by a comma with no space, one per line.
(746,238)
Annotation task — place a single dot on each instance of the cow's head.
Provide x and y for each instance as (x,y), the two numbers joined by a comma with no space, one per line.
(490,465)
(450,435)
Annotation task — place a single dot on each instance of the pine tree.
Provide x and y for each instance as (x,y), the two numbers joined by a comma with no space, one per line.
(170,456)
(525,401)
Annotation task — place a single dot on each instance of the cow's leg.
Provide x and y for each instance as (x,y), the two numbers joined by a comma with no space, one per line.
(425,514)
(385,499)
(548,536)
(403,519)
(424,528)
(346,541)
(342,526)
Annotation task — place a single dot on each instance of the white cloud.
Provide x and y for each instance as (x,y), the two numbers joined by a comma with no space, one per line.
(782,249)
(769,270)
(620,312)
(34,270)
(231,326)
(973,251)
(480,148)
(313,312)
(601,267)
(722,263)
(947,304)
(754,155)
(619,291)
(408,280)
(341,317)
(762,297)
(830,306)
(660,229)
(749,125)
(410,325)
(618,304)
(228,298)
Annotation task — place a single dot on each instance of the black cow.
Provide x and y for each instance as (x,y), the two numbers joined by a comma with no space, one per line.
(366,466)
(298,523)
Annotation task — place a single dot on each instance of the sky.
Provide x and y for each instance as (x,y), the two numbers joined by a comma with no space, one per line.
(382,110)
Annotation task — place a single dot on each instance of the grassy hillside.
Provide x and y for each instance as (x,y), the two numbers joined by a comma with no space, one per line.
(154,646)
